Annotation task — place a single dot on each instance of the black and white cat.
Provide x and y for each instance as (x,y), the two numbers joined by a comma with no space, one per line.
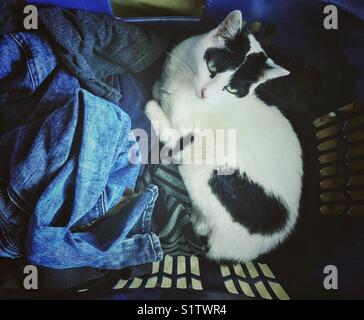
(209,81)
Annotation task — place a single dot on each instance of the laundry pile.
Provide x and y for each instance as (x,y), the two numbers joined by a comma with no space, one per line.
(70,96)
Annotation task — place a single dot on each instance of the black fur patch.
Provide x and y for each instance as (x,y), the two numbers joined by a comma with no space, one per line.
(223,59)
(234,56)
(230,57)
(249,73)
(240,44)
(248,204)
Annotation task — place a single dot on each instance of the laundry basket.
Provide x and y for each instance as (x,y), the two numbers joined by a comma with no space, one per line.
(331,228)
(331,125)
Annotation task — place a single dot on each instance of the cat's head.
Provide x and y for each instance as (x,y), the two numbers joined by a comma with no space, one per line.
(229,63)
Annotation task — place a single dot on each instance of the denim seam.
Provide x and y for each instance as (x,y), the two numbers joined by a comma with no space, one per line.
(122,138)
(155,246)
(17,200)
(148,211)
(103,205)
(146,225)
(1,229)
(13,232)
(5,238)
(8,238)
(22,43)
(11,226)
(27,58)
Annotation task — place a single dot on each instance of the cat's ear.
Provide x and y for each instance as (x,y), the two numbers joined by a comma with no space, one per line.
(274,70)
(231,26)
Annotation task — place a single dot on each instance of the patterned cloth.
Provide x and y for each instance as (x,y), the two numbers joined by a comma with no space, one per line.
(172,211)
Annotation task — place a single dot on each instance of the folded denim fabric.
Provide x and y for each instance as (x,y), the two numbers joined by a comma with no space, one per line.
(98,46)
(65,162)
(92,47)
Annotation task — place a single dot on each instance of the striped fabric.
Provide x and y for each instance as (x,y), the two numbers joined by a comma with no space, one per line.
(172,211)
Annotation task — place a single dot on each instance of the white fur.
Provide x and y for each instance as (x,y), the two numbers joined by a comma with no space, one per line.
(268,150)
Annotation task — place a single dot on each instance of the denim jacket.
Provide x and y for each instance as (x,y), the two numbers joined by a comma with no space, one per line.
(64,163)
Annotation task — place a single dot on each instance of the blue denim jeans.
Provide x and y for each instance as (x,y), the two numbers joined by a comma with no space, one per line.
(64,163)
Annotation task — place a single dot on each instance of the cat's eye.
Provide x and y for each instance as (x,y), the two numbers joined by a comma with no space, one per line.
(211,66)
(231,90)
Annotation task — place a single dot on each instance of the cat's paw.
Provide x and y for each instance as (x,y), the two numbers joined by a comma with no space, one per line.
(201,229)
(152,110)
(157,91)
(199,225)
(161,125)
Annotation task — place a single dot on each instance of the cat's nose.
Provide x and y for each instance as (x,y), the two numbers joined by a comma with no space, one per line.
(203,93)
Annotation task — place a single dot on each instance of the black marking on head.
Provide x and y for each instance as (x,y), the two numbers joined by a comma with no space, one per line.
(223,59)
(248,203)
(249,73)
(240,44)
(230,57)
(234,57)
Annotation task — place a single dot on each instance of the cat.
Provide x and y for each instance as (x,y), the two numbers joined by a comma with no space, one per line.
(210,81)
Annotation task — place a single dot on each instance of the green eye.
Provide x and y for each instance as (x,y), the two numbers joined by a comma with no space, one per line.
(231,90)
(211,66)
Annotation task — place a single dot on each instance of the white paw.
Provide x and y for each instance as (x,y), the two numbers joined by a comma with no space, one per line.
(152,110)
(201,229)
(156,91)
(199,225)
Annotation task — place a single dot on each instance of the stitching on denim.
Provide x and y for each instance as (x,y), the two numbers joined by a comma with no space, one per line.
(143,216)
(151,242)
(10,233)
(15,199)
(6,244)
(103,205)
(123,138)
(26,58)
(155,246)
(2,227)
(147,214)
(7,222)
